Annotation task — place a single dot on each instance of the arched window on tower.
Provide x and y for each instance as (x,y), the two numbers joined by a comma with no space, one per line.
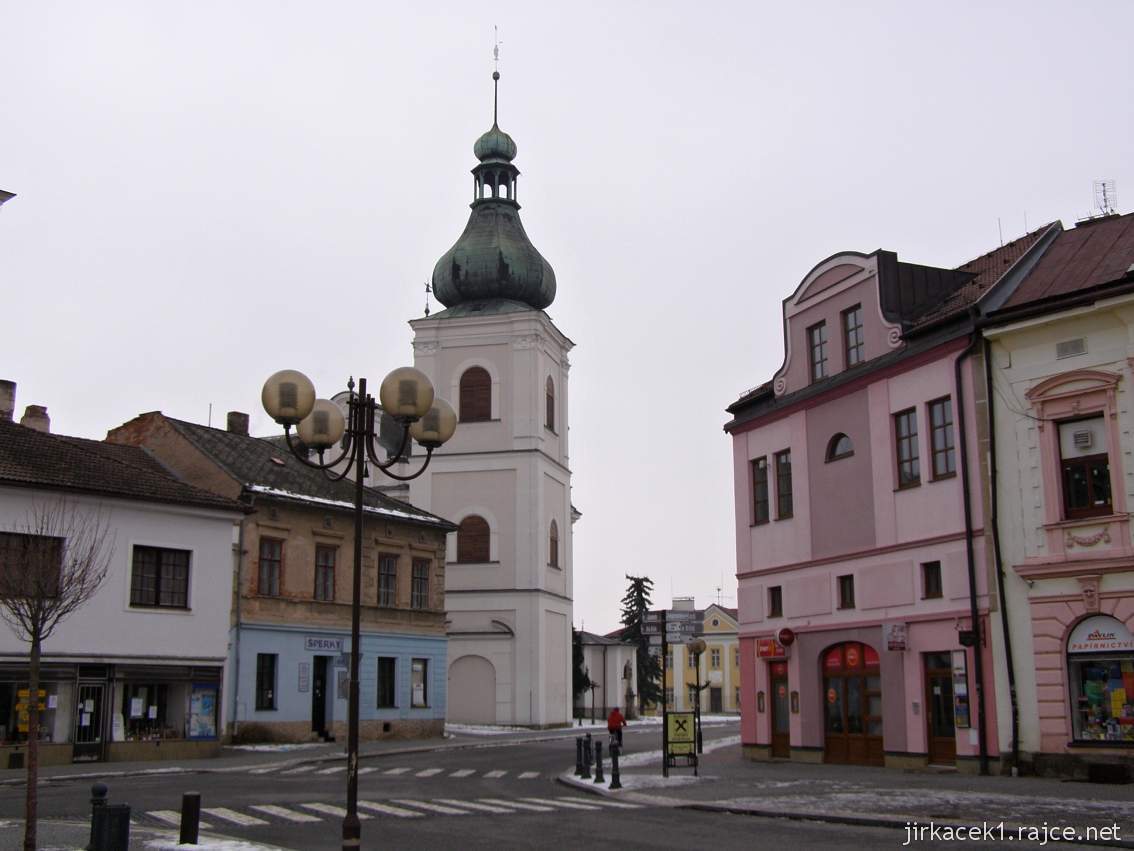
(476,395)
(553,545)
(472,540)
(549,419)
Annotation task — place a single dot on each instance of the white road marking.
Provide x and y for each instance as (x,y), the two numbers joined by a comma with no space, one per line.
(563,802)
(174,818)
(396,771)
(233,816)
(528,775)
(535,808)
(331,810)
(362,771)
(432,807)
(284,813)
(334,769)
(473,805)
(303,769)
(266,769)
(429,772)
(492,775)
(387,809)
(604,802)
(463,772)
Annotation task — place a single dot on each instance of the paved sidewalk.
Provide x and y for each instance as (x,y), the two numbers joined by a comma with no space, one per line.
(870,796)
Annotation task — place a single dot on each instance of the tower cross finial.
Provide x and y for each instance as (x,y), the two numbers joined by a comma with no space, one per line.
(495,69)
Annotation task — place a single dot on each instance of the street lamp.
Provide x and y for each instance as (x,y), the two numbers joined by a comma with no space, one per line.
(696,646)
(406,395)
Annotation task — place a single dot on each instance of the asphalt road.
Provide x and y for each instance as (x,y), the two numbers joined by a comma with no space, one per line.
(489,795)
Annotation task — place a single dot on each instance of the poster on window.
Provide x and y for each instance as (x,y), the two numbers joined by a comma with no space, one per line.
(203,711)
(961,716)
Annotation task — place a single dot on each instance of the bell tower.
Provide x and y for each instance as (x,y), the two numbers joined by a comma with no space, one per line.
(504,477)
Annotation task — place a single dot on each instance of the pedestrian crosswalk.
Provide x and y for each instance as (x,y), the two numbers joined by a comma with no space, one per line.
(307,812)
(318,769)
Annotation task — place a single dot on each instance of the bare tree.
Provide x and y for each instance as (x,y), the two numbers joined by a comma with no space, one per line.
(50,565)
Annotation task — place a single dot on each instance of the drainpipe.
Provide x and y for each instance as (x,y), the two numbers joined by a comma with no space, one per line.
(236,640)
(605,698)
(994,519)
(974,611)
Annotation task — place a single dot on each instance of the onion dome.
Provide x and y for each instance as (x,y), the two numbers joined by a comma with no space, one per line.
(494,259)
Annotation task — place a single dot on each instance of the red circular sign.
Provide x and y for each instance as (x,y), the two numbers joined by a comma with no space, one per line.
(785,636)
(782,690)
(852,656)
(832,695)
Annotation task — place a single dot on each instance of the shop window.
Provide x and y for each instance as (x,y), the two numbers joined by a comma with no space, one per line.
(387,580)
(144,707)
(1085,468)
(271,565)
(931,580)
(473,540)
(419,676)
(775,602)
(1100,667)
(760,490)
(14,717)
(325,572)
(419,596)
(387,683)
(266,681)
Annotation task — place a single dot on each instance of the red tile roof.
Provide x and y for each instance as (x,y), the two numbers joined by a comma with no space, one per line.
(1096,252)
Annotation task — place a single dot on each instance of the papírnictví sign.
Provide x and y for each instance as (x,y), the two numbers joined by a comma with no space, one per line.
(1100,634)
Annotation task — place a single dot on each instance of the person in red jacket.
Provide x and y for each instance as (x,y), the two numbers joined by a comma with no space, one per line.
(614,724)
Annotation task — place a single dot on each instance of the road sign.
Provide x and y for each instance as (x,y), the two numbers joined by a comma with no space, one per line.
(681,730)
(674,615)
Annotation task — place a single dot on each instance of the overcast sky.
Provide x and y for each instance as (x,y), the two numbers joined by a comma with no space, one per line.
(211,191)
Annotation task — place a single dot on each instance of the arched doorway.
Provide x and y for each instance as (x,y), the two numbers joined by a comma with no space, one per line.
(474,679)
(852,705)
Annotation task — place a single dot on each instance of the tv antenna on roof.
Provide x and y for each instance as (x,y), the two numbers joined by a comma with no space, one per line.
(1106,197)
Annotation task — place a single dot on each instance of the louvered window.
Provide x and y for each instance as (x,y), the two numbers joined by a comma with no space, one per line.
(553,545)
(476,395)
(472,540)
(550,398)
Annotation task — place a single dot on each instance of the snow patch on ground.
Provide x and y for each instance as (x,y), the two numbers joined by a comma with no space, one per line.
(280,748)
(205,844)
(483,729)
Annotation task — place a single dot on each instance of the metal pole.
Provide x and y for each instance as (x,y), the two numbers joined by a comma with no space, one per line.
(352,827)
(665,702)
(190,818)
(697,707)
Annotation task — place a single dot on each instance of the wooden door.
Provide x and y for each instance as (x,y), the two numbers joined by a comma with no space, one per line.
(852,705)
(941,735)
(781,717)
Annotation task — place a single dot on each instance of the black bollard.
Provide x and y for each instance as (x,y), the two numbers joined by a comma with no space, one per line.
(190,818)
(586,757)
(99,791)
(598,763)
(578,756)
(615,780)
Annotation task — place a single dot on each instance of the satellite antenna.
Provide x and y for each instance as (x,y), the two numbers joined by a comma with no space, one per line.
(1106,197)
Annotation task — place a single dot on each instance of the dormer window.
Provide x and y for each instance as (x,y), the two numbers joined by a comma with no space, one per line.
(817,347)
(839,446)
(853,341)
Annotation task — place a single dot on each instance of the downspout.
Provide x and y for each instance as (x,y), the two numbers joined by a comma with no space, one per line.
(236,640)
(974,612)
(605,697)
(994,520)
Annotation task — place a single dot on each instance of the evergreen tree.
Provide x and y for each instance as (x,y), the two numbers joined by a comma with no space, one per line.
(580,681)
(635,605)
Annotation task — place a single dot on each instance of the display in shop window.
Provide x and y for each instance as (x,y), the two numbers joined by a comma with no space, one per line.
(1100,665)
(962,717)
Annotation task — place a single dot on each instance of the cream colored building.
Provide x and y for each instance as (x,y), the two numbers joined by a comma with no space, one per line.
(719,669)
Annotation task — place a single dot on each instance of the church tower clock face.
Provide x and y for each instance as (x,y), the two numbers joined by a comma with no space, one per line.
(504,478)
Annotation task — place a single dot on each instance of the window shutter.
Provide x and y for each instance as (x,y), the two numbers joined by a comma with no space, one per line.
(476,395)
(472,540)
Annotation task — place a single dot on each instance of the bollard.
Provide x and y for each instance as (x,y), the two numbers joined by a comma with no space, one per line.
(578,756)
(99,791)
(615,780)
(598,763)
(190,818)
(586,757)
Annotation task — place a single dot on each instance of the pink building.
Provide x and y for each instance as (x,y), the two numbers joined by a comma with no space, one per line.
(862,563)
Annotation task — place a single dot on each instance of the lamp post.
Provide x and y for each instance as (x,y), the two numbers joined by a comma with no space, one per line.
(696,646)
(406,395)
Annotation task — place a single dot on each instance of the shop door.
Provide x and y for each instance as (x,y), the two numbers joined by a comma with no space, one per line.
(852,705)
(319,697)
(941,734)
(781,718)
(88,724)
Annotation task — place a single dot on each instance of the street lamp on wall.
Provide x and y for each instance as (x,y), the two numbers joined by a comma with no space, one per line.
(406,395)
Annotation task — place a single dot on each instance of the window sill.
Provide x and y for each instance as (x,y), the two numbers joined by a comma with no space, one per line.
(839,457)
(474,422)
(172,610)
(933,596)
(908,487)
(785,517)
(845,608)
(944,477)
(550,429)
(1109,517)
(554,566)
(1099,743)
(470,563)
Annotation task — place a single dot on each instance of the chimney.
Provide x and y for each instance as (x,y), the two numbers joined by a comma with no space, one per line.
(7,399)
(35,416)
(237,423)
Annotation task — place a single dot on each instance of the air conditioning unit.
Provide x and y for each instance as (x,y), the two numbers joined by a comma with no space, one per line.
(1082,439)
(1070,348)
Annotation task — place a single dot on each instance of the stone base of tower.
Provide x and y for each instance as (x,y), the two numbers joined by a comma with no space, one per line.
(509,664)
